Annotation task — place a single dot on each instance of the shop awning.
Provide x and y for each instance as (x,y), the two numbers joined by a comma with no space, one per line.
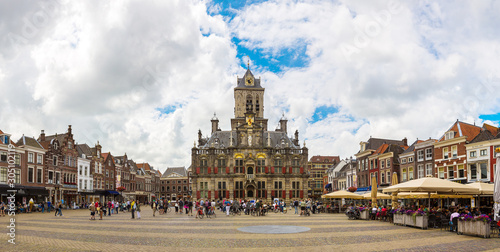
(112,193)
(328,186)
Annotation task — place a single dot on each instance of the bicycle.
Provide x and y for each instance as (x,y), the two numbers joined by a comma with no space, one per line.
(211,213)
(234,211)
(199,213)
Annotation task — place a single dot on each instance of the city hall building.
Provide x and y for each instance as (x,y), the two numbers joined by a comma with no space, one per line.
(249,161)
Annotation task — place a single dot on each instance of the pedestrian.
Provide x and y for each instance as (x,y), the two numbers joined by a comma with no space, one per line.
(190,208)
(49,206)
(109,208)
(132,208)
(31,203)
(116,207)
(92,211)
(181,206)
(56,209)
(42,205)
(176,207)
(60,209)
(228,206)
(2,209)
(138,210)
(186,206)
(154,207)
(100,210)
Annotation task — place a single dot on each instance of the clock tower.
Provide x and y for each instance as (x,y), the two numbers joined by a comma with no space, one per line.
(248,100)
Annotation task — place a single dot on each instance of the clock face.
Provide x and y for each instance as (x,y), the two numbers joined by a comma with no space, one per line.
(249,81)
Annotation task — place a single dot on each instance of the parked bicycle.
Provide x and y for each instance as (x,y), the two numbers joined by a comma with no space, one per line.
(211,213)
(199,213)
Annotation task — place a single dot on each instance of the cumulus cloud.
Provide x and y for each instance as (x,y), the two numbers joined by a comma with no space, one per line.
(143,76)
(399,69)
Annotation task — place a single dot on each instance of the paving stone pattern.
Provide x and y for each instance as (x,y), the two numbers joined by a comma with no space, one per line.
(174,232)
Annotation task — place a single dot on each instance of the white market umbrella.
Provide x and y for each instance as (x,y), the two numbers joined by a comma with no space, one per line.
(496,193)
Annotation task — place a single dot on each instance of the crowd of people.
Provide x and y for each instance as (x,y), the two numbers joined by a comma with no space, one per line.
(32,207)
(437,215)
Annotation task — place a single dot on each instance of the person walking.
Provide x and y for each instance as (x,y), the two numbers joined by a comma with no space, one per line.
(132,208)
(190,208)
(138,210)
(100,209)
(176,207)
(32,203)
(228,206)
(42,205)
(92,211)
(2,209)
(181,206)
(109,208)
(154,208)
(49,206)
(56,210)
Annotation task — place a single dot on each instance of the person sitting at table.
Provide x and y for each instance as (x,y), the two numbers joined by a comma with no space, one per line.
(476,212)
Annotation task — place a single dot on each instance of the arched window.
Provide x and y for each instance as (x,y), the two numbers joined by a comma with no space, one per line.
(249,103)
(257,104)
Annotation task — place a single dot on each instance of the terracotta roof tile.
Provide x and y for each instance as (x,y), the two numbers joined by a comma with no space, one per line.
(492,129)
(146,166)
(463,129)
(319,158)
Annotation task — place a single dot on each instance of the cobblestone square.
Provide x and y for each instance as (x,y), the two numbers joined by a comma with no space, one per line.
(174,232)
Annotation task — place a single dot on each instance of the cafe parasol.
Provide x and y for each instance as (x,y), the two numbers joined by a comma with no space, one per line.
(374,191)
(394,194)
(432,185)
(342,195)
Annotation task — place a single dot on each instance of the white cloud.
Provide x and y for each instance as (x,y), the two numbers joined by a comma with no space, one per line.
(106,68)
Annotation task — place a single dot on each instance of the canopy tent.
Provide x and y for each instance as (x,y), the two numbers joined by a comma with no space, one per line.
(394,194)
(341,195)
(484,188)
(424,195)
(368,195)
(432,185)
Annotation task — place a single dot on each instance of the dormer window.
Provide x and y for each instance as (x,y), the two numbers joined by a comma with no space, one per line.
(5,139)
(56,145)
(449,135)
(69,144)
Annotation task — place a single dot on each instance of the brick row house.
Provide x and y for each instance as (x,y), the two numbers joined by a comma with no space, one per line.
(417,161)
(450,152)
(55,168)
(317,167)
(175,184)
(481,159)
(61,167)
(377,155)
(32,164)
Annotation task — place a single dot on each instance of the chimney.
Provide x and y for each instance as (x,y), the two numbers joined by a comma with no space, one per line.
(42,136)
(69,129)
(296,142)
(283,125)
(215,124)
(405,141)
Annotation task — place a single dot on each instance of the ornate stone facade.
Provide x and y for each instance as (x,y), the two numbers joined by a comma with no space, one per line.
(249,161)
